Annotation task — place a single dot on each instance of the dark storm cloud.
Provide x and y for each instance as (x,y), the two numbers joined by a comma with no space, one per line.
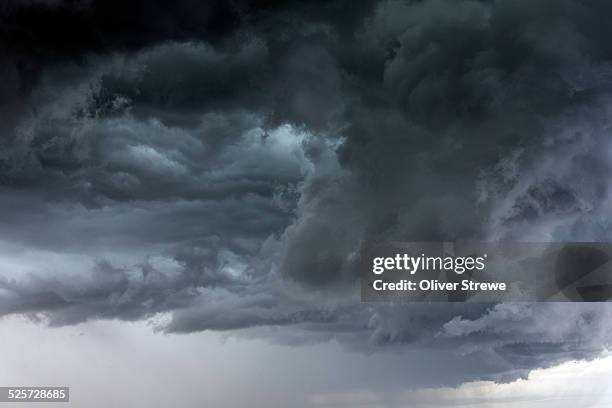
(35,34)
(224,162)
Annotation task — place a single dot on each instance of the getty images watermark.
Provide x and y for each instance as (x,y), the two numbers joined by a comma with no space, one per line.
(486,271)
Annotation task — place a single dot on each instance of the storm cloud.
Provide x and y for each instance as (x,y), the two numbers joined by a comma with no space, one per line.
(222,164)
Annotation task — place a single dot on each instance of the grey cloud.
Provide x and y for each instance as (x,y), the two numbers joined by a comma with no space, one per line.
(256,166)
(521,333)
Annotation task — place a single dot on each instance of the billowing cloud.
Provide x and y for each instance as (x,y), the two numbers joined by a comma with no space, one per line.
(220,165)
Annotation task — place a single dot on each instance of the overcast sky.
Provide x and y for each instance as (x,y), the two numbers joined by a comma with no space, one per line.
(176,174)
(127,364)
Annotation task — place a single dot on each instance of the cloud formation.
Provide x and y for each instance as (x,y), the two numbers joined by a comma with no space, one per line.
(221,164)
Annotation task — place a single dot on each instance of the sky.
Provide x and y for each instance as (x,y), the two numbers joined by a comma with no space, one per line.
(192,182)
(110,363)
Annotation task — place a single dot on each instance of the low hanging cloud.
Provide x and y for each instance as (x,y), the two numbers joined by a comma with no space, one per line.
(224,174)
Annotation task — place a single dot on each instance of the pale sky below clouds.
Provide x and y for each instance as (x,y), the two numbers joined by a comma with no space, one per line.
(584,384)
(127,364)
